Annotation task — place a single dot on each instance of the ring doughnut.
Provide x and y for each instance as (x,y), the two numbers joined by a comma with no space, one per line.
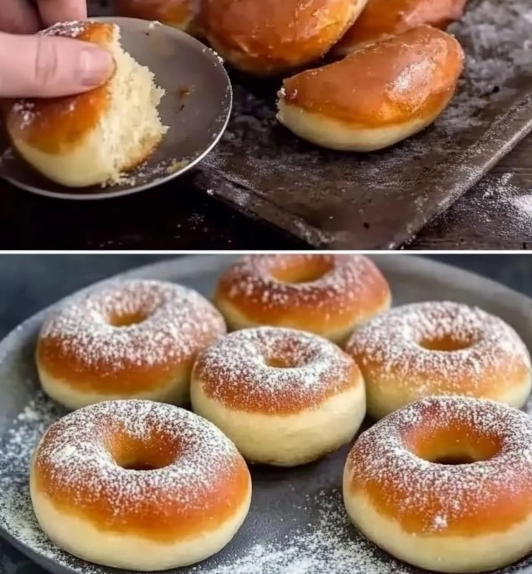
(138,485)
(267,37)
(439,348)
(127,339)
(284,397)
(181,14)
(445,484)
(383,19)
(328,295)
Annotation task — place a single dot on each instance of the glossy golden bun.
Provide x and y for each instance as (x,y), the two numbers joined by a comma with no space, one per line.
(265,37)
(91,138)
(384,18)
(180,14)
(377,96)
(138,485)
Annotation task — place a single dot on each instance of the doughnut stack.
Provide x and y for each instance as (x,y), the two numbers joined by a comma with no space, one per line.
(390,67)
(133,479)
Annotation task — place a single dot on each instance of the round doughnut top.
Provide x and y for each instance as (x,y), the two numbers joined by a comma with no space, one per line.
(178,13)
(87,464)
(435,346)
(129,325)
(274,371)
(312,287)
(53,124)
(388,463)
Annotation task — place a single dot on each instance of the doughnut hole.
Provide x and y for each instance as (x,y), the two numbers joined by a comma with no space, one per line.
(287,354)
(453,446)
(127,319)
(153,452)
(445,343)
(302,269)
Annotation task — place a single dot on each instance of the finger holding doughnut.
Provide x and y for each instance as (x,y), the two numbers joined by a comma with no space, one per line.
(382,19)
(379,95)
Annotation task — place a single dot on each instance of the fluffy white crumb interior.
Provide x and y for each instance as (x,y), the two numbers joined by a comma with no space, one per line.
(132,123)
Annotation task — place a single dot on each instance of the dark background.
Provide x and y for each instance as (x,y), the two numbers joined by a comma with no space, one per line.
(30,282)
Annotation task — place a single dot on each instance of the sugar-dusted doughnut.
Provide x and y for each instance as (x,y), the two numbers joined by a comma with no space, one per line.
(283,396)
(138,485)
(439,348)
(445,484)
(324,294)
(126,339)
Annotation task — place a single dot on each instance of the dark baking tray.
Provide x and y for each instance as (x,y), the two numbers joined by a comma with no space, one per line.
(378,201)
(297,524)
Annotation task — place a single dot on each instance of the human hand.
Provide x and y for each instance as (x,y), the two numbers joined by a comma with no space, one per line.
(40,66)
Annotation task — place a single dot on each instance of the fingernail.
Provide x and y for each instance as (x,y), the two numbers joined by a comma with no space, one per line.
(96,66)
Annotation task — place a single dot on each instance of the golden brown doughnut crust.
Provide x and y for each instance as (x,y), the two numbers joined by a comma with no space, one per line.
(79,345)
(412,75)
(266,290)
(46,123)
(383,18)
(177,13)
(78,467)
(241,371)
(389,464)
(268,36)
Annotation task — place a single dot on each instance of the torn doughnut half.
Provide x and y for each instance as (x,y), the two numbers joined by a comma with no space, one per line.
(377,96)
(95,137)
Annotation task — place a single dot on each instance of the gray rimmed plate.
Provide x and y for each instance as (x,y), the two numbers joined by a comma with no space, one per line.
(196,107)
(297,524)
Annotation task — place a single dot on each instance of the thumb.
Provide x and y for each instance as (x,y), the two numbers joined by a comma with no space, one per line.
(42,66)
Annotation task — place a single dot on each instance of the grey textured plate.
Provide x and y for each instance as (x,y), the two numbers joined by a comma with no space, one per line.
(196,107)
(297,524)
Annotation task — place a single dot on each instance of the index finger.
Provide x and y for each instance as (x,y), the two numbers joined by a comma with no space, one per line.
(53,11)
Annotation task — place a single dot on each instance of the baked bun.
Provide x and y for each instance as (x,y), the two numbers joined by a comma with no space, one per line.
(266,37)
(91,138)
(377,96)
(445,484)
(180,14)
(138,485)
(385,18)
(328,295)
(284,397)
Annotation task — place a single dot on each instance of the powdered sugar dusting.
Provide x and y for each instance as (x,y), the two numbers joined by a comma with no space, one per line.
(77,458)
(390,346)
(384,458)
(236,370)
(323,541)
(349,284)
(176,323)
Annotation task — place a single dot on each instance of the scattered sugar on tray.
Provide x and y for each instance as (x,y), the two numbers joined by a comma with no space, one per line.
(177,321)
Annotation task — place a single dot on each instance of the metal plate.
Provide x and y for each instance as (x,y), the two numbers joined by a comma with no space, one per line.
(297,524)
(196,107)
